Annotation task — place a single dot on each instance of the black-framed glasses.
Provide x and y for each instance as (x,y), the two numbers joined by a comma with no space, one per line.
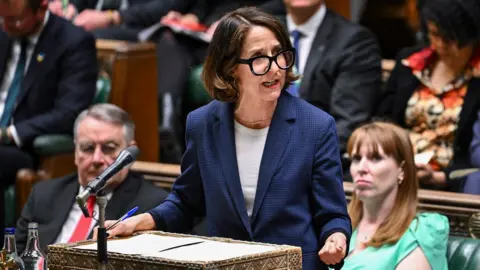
(260,65)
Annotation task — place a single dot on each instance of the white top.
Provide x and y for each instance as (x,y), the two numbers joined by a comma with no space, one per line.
(309,31)
(74,217)
(12,66)
(249,145)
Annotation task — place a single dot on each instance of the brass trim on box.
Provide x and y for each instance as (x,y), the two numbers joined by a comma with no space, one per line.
(65,256)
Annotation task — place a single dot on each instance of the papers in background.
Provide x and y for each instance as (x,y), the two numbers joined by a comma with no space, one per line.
(424,158)
(188,249)
(147,33)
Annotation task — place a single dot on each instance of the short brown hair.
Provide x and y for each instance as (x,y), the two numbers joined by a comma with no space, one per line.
(226,46)
(395,143)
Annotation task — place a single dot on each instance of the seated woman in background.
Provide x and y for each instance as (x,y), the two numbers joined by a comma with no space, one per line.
(434,91)
(388,231)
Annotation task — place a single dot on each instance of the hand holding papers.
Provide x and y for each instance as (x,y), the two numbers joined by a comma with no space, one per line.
(193,30)
(424,158)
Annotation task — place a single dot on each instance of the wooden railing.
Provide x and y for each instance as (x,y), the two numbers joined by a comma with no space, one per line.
(459,208)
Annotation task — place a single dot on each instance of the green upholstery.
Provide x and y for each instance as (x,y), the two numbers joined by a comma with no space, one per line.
(10,206)
(54,144)
(196,93)
(463,253)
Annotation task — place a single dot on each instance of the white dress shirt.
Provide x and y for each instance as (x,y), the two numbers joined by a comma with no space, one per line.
(249,145)
(10,71)
(74,217)
(309,31)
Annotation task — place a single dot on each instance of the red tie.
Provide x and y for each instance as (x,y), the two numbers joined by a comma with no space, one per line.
(83,225)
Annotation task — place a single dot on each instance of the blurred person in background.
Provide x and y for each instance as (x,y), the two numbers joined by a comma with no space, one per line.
(434,90)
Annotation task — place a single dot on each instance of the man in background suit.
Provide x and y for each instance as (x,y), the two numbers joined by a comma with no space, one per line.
(117,19)
(340,64)
(101,133)
(48,73)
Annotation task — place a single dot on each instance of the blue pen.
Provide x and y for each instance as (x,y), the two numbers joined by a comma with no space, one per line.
(122,218)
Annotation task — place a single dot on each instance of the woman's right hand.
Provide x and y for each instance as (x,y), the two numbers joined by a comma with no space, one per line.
(127,227)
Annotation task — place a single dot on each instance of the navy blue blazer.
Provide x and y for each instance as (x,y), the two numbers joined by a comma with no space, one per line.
(300,199)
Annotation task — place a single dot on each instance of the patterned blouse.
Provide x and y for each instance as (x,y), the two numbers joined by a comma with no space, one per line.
(432,114)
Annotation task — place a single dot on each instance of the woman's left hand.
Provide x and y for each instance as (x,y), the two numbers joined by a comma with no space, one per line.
(334,249)
(426,175)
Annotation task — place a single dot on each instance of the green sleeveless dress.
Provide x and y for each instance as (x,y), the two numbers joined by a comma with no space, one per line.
(429,231)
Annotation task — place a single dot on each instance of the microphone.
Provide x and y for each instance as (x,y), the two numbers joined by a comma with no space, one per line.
(124,160)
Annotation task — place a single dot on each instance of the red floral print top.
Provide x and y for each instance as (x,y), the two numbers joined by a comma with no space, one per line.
(432,114)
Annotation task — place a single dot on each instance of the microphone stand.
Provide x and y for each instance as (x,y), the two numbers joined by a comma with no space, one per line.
(102,257)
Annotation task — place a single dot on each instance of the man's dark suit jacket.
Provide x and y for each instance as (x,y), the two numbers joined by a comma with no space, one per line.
(50,202)
(58,87)
(342,75)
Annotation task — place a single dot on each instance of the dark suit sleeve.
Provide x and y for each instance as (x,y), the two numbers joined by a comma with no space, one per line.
(80,5)
(357,85)
(329,203)
(27,215)
(150,13)
(200,10)
(274,7)
(386,104)
(186,201)
(75,91)
(475,144)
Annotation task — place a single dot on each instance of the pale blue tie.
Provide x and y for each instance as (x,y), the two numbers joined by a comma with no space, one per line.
(297,35)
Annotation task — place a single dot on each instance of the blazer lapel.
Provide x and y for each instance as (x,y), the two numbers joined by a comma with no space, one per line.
(63,205)
(5,46)
(470,101)
(408,85)
(317,51)
(37,66)
(122,197)
(277,139)
(225,136)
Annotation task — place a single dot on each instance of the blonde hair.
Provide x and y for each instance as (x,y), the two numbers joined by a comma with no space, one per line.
(395,143)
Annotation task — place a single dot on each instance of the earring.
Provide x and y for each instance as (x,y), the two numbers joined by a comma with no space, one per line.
(400,180)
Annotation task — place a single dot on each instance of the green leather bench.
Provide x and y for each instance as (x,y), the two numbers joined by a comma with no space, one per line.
(463,253)
(54,144)
(196,95)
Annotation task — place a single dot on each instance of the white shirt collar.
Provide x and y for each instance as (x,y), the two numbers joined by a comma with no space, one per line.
(311,26)
(34,38)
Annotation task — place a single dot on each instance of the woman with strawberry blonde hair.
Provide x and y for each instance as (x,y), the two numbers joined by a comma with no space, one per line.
(389,233)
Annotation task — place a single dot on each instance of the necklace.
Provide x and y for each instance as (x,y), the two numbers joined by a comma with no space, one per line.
(256,122)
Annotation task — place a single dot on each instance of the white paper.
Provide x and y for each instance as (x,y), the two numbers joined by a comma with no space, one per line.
(144,243)
(211,251)
(424,158)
